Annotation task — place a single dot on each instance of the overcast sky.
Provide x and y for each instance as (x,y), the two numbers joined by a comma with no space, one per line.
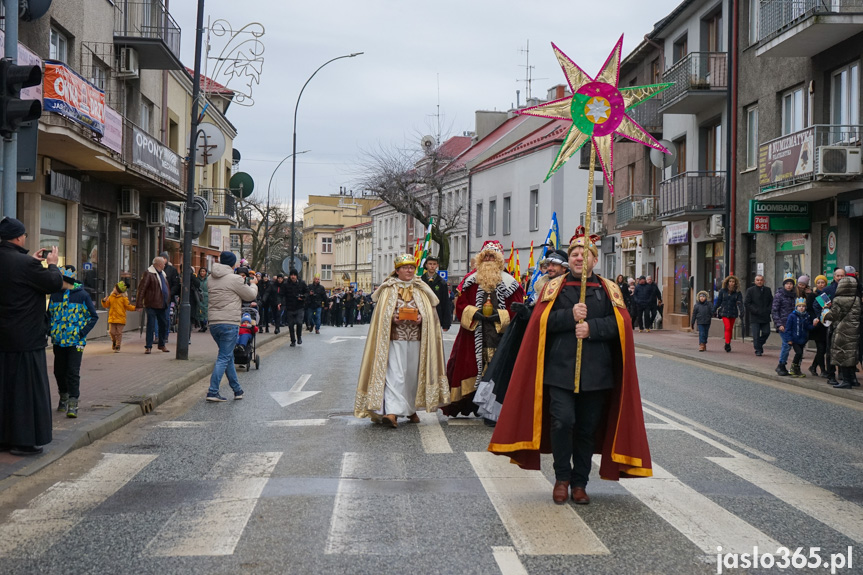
(464,55)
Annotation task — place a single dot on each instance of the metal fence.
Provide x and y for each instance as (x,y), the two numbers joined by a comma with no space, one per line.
(696,71)
(221,203)
(147,20)
(777,15)
(692,193)
(635,209)
(647,114)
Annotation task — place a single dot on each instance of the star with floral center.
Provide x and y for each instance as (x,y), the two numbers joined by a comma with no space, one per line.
(598,110)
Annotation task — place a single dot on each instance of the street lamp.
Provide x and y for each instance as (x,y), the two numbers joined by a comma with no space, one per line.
(294,153)
(267,219)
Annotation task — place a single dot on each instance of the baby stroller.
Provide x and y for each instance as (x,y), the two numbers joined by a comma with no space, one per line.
(245,354)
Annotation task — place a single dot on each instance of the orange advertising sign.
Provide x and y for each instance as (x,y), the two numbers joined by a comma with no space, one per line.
(67,93)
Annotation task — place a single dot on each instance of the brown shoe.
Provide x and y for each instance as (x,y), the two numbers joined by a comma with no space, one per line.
(560,492)
(390,420)
(413,418)
(148,351)
(580,496)
(701,347)
(164,349)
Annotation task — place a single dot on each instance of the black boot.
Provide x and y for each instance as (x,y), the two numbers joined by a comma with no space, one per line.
(781,370)
(813,370)
(727,347)
(847,379)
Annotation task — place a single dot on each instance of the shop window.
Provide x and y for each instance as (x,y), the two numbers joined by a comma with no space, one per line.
(53,232)
(92,253)
(792,111)
(129,255)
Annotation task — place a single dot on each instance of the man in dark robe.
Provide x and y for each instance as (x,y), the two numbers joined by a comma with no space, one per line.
(548,410)
(25,394)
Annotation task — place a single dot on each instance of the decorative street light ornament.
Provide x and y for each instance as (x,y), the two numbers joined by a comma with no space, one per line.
(242,58)
(598,110)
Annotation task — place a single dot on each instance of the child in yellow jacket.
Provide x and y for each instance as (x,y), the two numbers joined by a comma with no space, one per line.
(117,304)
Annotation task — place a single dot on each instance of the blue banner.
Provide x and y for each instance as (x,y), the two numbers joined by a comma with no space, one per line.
(552,241)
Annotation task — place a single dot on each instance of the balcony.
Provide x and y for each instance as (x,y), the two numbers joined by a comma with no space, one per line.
(647,114)
(691,196)
(812,164)
(636,213)
(804,28)
(584,159)
(700,81)
(597,226)
(149,29)
(221,206)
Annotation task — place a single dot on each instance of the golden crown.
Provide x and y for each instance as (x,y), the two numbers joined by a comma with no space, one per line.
(404,260)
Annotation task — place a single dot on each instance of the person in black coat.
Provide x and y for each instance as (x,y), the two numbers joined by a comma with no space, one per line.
(316,301)
(758,301)
(25,393)
(295,309)
(276,301)
(647,298)
(264,303)
(439,287)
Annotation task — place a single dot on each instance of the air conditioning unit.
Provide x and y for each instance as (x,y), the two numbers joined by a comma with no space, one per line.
(637,209)
(130,203)
(838,161)
(715,226)
(208,196)
(649,206)
(156,214)
(128,65)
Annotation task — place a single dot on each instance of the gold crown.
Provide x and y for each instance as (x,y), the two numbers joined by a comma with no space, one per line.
(404,260)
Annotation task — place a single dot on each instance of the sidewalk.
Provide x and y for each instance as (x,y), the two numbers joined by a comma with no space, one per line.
(742,358)
(119,387)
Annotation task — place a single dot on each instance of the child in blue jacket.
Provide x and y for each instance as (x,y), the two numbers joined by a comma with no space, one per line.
(797,328)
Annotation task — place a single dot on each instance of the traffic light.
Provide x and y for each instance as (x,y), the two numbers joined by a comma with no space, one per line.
(14,110)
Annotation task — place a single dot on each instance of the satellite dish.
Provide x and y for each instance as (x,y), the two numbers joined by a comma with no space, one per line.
(210,144)
(428,144)
(202,204)
(33,9)
(242,185)
(235,156)
(662,160)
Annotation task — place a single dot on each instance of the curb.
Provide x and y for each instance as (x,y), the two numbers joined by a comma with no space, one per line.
(129,412)
(795,381)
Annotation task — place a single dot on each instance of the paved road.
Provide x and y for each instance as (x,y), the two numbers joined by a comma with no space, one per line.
(287,481)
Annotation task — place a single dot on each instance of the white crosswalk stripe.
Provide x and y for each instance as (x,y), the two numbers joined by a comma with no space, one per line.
(30,532)
(431,434)
(214,526)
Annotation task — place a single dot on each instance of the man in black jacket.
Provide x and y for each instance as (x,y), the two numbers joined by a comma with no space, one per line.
(277,300)
(25,394)
(758,301)
(315,300)
(439,287)
(264,302)
(295,299)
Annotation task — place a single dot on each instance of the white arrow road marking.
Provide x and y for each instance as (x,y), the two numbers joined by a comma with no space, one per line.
(295,422)
(32,531)
(508,561)
(214,526)
(301,383)
(523,501)
(821,504)
(341,338)
(296,393)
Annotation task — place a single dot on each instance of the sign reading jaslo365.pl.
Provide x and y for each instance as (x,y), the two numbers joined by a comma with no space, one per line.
(779,217)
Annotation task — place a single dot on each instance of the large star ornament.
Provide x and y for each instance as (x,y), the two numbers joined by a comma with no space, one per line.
(598,111)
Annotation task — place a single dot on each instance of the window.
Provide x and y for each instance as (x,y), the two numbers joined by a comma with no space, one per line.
(845,96)
(534,209)
(752,137)
(98,76)
(59,46)
(655,72)
(326,245)
(713,29)
(713,147)
(792,111)
(680,166)
(146,115)
(681,49)
(754,15)
(326,272)
(479,219)
(630,172)
(507,215)
(492,217)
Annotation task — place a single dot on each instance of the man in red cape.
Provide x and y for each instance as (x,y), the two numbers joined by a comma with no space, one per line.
(547,411)
(483,306)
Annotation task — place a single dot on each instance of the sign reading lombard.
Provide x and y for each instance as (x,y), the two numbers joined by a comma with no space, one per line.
(779,217)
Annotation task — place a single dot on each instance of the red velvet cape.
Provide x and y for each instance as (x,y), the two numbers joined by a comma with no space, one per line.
(522,432)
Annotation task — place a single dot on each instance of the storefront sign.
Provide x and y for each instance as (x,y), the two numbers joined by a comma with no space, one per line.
(66,187)
(172,222)
(70,95)
(677,233)
(113,136)
(790,243)
(786,158)
(830,259)
(155,158)
(53,216)
(779,217)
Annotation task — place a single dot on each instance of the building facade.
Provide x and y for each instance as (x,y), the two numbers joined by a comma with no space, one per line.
(353,256)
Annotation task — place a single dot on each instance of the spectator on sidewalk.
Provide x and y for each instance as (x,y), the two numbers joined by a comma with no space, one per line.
(264,302)
(797,327)
(845,317)
(154,296)
(758,301)
(624,290)
(25,393)
(818,334)
(228,291)
(729,304)
(646,297)
(830,292)
(205,299)
(117,304)
(783,306)
(295,299)
(702,315)
(172,275)
(276,302)
(73,315)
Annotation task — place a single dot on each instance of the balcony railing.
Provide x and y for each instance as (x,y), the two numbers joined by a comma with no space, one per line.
(147,20)
(690,195)
(694,73)
(635,210)
(221,204)
(825,152)
(778,15)
(647,114)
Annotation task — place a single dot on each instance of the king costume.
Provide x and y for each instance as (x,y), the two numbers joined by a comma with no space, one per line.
(485,312)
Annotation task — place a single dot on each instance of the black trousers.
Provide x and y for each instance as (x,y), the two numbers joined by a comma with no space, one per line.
(798,353)
(295,319)
(67,370)
(574,419)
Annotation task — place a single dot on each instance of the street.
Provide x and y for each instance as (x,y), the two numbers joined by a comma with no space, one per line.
(288,481)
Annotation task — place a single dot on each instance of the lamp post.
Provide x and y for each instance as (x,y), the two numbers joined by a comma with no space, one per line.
(294,152)
(267,217)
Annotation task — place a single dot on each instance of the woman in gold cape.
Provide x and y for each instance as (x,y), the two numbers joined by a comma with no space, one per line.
(432,389)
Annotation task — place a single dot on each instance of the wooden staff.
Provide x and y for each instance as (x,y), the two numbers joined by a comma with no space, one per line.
(583,295)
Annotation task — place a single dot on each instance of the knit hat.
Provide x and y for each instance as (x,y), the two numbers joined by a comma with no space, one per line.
(246,317)
(800,301)
(121,286)
(804,279)
(850,270)
(821,277)
(10,228)
(789,277)
(227,258)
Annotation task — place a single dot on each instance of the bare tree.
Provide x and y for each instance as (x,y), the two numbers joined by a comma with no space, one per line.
(413,182)
(252,215)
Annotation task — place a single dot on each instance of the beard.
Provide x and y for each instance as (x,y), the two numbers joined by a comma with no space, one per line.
(488,275)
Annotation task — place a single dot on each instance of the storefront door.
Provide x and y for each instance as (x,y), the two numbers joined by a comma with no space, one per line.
(129,255)
(92,253)
(713,256)
(790,256)
(681,278)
